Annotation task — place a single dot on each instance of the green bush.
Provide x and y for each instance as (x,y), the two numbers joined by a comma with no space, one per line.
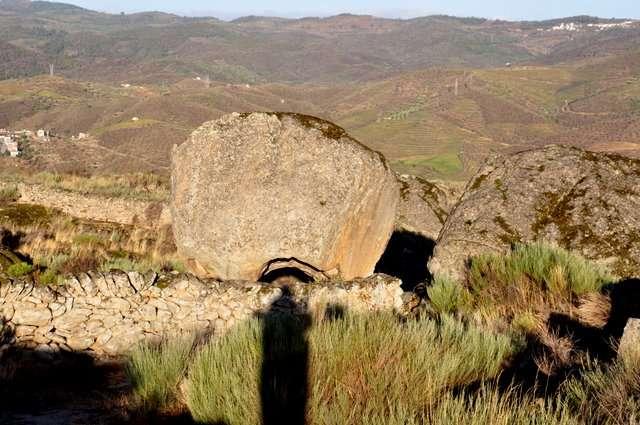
(446,295)
(19,269)
(531,276)
(49,278)
(550,268)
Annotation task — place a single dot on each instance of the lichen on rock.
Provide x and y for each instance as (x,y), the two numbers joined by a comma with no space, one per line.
(250,189)
(582,201)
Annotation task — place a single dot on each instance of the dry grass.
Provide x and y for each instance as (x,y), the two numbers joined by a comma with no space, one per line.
(550,297)
(155,371)
(9,193)
(469,365)
(594,309)
(375,369)
(537,277)
(60,245)
(357,369)
(608,394)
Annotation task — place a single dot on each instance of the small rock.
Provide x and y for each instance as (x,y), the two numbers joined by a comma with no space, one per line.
(630,342)
(80,342)
(31,314)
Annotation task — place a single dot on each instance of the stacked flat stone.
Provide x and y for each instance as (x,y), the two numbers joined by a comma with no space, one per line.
(109,313)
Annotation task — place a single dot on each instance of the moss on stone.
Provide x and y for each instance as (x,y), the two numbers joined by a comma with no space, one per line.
(404,189)
(500,187)
(557,210)
(510,235)
(478,181)
(328,129)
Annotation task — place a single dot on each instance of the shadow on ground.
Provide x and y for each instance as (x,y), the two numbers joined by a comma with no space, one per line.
(597,342)
(66,388)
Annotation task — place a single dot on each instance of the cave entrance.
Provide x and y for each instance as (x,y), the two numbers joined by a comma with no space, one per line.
(406,258)
(290,270)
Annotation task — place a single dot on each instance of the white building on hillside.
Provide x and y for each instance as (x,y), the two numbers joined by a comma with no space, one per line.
(8,145)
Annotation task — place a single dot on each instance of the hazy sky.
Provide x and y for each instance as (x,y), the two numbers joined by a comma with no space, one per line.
(505,9)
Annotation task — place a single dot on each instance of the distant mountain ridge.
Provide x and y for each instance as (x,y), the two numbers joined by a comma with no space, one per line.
(156,47)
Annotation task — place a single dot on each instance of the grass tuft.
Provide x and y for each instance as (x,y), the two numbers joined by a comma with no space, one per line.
(9,193)
(19,269)
(361,368)
(532,276)
(608,394)
(447,295)
(156,371)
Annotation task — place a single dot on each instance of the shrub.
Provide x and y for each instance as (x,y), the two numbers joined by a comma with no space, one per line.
(9,193)
(608,394)
(156,371)
(447,295)
(532,275)
(492,405)
(19,269)
(49,278)
(361,369)
(79,263)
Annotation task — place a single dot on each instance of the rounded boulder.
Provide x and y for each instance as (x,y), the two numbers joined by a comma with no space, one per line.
(253,191)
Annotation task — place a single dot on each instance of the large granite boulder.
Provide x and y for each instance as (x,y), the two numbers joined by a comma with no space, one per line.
(254,191)
(583,201)
(425,205)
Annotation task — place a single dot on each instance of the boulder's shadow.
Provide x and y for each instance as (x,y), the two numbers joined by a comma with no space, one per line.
(406,258)
(598,342)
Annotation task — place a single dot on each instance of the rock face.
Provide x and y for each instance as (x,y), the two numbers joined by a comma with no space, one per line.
(251,190)
(425,205)
(580,200)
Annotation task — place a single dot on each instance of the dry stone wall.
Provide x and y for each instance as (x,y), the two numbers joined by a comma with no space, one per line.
(123,211)
(108,314)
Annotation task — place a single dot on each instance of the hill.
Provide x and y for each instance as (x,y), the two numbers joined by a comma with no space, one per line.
(419,120)
(435,94)
(152,48)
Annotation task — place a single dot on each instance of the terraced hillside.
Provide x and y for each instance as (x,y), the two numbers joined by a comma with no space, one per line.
(432,122)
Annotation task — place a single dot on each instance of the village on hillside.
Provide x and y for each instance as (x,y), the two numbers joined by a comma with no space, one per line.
(12,141)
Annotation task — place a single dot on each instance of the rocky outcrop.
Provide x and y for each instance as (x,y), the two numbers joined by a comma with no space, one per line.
(251,190)
(425,205)
(108,314)
(582,201)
